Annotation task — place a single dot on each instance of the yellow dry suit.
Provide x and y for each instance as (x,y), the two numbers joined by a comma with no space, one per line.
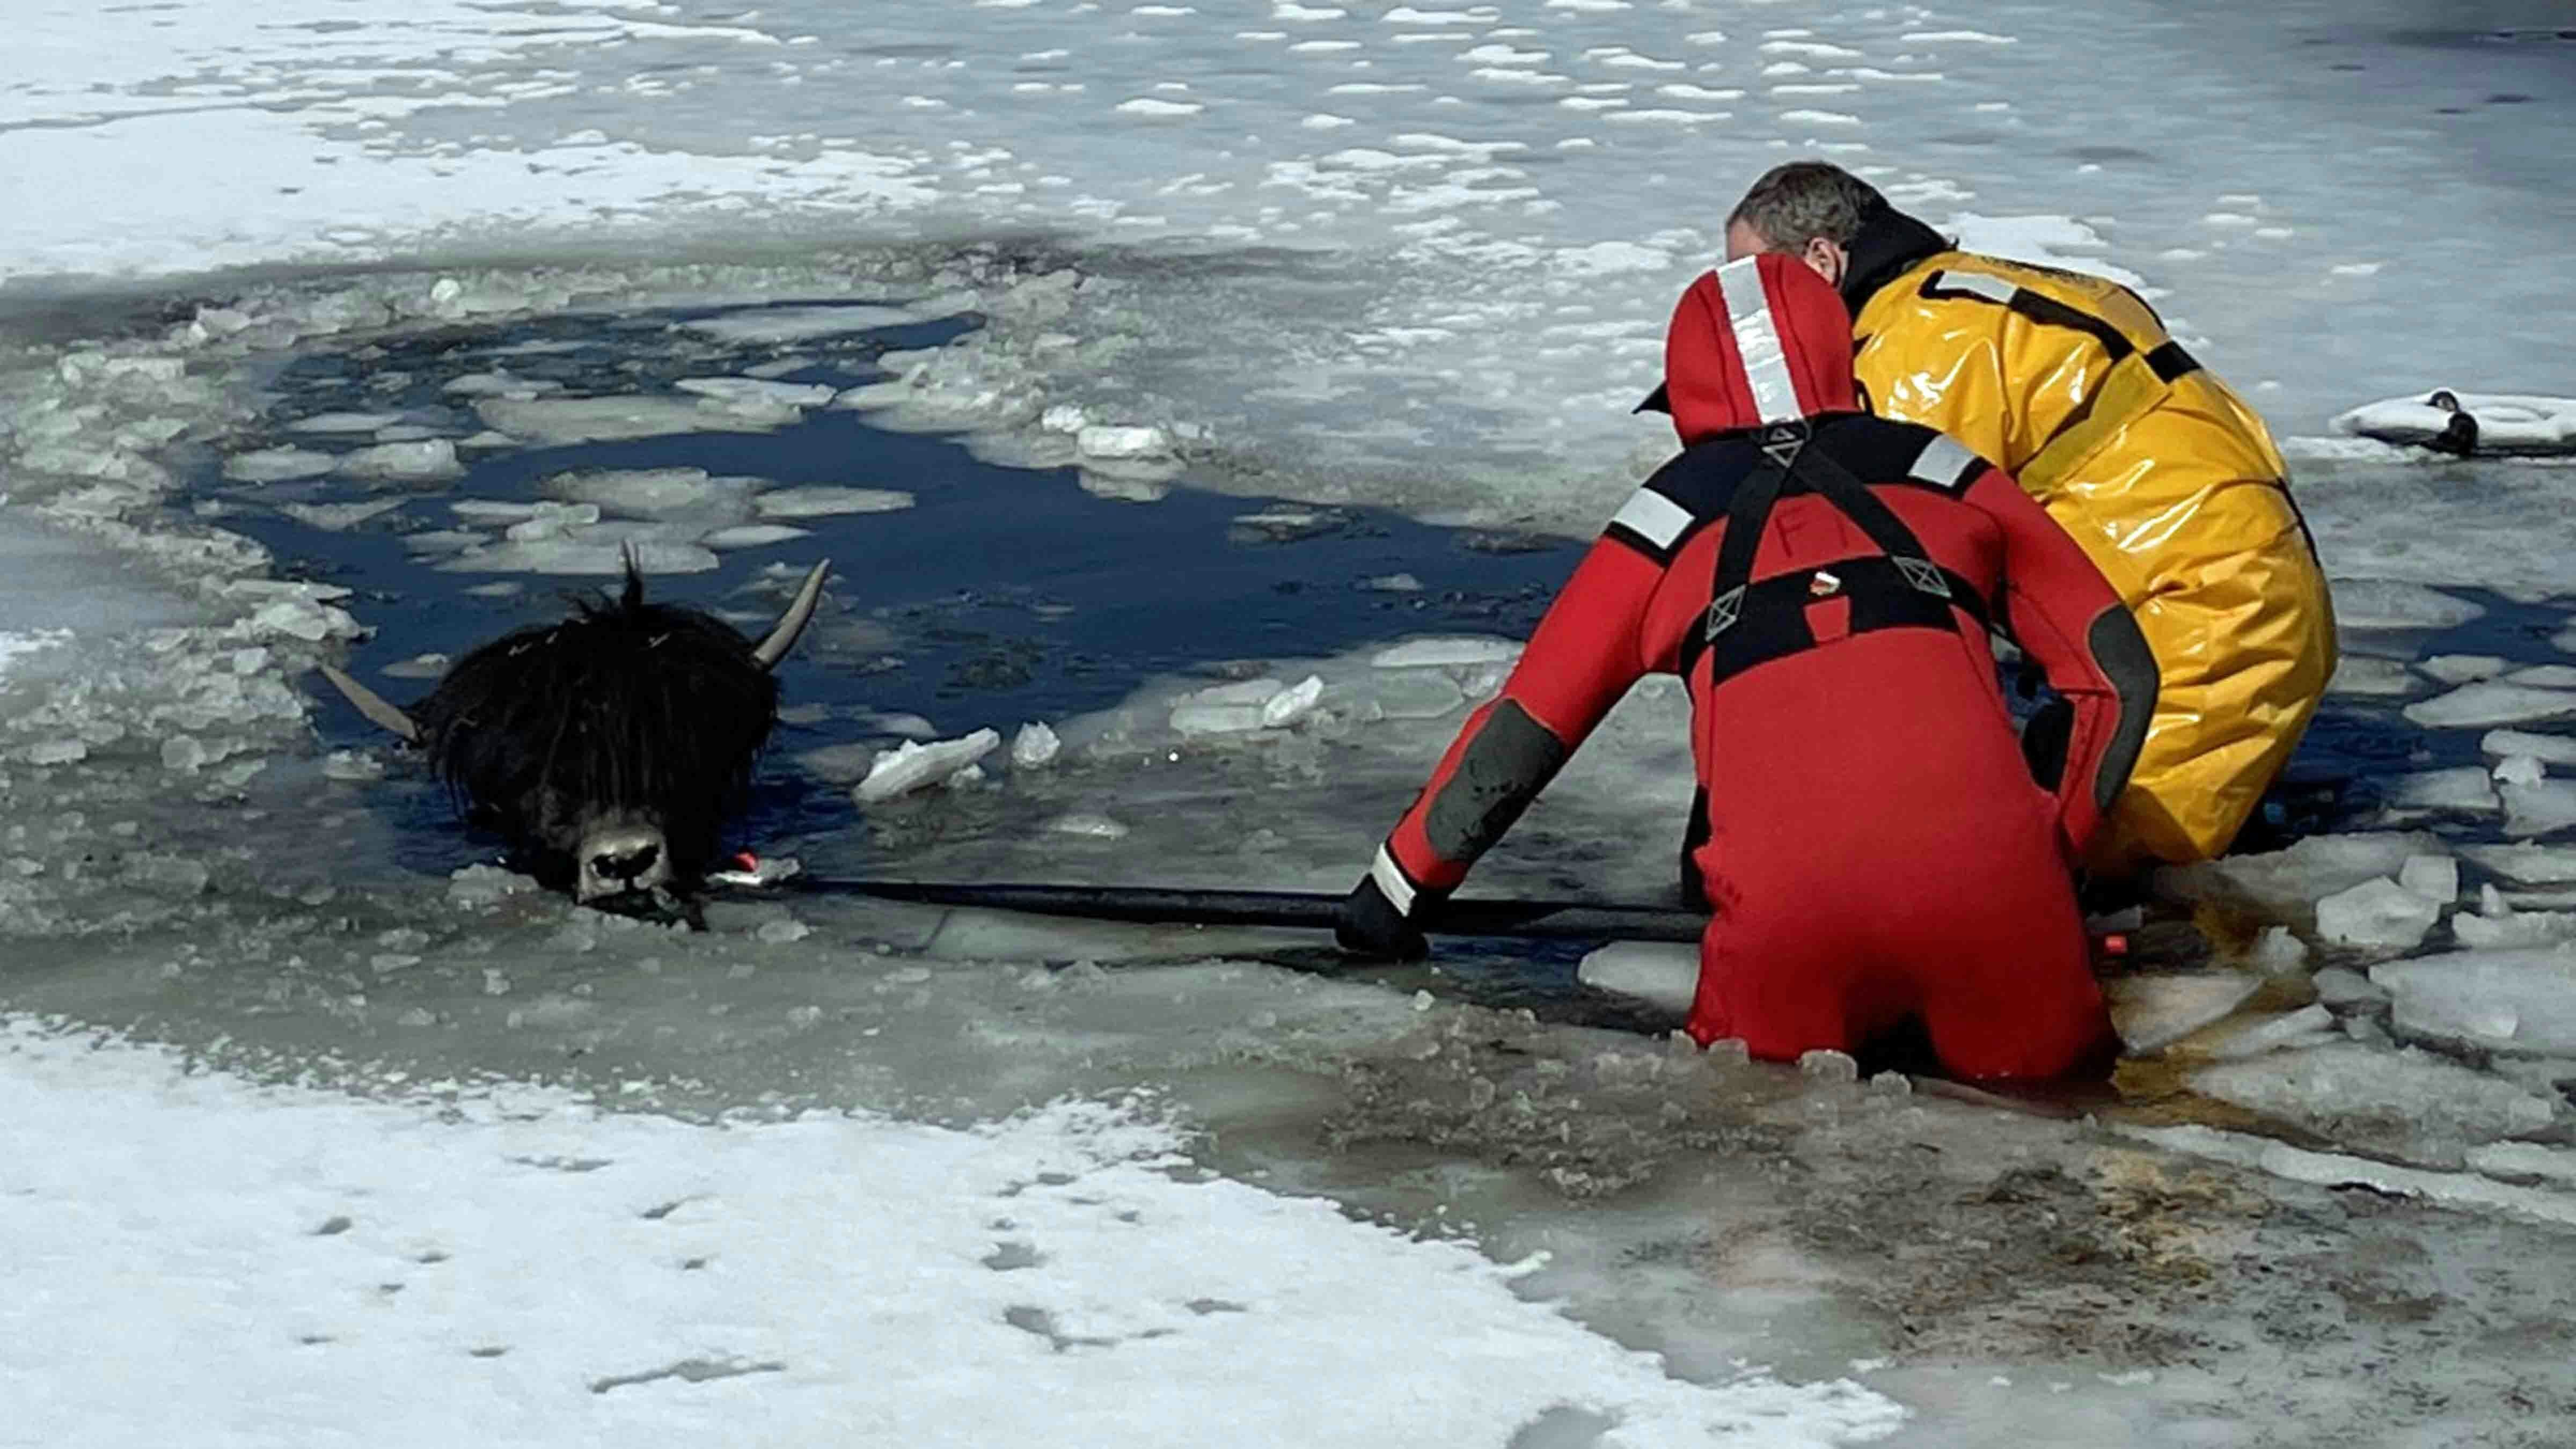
(2165,477)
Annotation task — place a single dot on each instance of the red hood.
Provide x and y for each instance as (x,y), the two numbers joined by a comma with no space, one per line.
(1757,341)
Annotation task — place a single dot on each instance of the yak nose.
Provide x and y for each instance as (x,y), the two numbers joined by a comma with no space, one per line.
(625,864)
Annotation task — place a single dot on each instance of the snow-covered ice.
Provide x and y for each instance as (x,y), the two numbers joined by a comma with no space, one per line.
(517,1264)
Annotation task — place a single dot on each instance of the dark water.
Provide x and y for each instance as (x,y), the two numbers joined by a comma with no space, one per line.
(1003,595)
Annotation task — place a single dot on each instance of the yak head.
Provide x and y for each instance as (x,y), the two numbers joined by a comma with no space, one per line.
(609,748)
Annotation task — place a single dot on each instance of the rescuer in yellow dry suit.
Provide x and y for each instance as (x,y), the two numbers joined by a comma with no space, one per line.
(2167,479)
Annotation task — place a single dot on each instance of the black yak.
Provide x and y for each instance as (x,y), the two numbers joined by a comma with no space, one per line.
(607,749)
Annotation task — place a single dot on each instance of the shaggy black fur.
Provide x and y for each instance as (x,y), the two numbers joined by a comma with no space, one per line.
(652,710)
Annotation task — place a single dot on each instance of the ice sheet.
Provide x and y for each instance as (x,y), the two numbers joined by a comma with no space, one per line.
(517,1264)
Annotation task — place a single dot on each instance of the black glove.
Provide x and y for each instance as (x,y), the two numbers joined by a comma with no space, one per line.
(1370,925)
(2045,740)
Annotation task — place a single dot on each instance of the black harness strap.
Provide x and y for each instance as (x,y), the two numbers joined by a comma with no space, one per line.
(1752,623)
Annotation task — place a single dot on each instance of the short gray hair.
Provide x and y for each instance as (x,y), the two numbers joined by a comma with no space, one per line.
(1794,204)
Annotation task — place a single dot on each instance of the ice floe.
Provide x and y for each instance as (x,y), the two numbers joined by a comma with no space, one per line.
(818,501)
(2516,1001)
(2492,703)
(557,422)
(912,765)
(2412,1103)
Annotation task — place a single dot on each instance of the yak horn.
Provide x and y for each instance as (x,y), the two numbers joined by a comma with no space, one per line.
(373,705)
(793,622)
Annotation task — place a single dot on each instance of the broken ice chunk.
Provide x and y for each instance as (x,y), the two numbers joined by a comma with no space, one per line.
(552,520)
(499,383)
(1293,703)
(2434,877)
(2500,927)
(2392,604)
(1286,523)
(2288,1029)
(2377,913)
(423,462)
(2519,770)
(753,535)
(911,765)
(2286,881)
(2463,668)
(1422,653)
(2526,1162)
(2279,951)
(1083,823)
(344,422)
(2407,1102)
(2526,864)
(352,765)
(2545,676)
(277,465)
(1225,708)
(816,502)
(2339,986)
(1828,1066)
(655,492)
(2462,789)
(2542,807)
(2360,674)
(2492,703)
(2513,1001)
(561,421)
(564,556)
(1104,442)
(2152,1012)
(1416,694)
(338,517)
(2548,749)
(419,666)
(736,391)
(1662,974)
(1034,745)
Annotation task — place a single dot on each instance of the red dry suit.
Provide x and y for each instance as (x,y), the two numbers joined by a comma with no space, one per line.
(1871,840)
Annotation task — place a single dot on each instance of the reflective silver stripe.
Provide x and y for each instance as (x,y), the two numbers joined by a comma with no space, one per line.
(1757,340)
(1944,463)
(1993,288)
(1390,879)
(1653,517)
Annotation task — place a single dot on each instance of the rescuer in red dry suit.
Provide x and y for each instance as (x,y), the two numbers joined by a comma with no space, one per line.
(1873,846)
